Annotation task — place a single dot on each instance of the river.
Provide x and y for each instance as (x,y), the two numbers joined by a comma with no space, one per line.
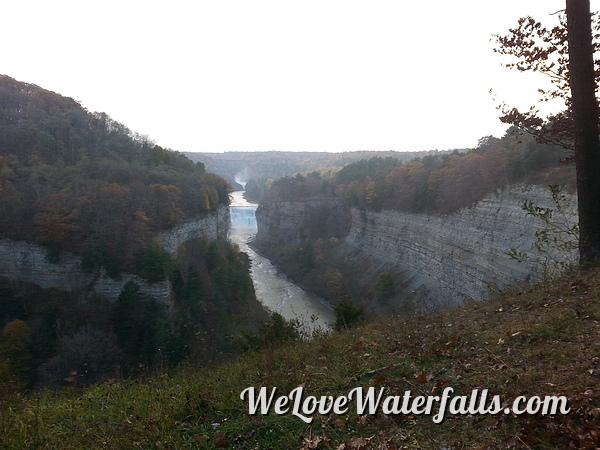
(273,289)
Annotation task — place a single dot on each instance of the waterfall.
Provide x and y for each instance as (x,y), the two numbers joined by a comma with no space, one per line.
(273,289)
(243,217)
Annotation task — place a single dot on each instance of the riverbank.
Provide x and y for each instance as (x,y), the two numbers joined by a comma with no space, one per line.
(275,291)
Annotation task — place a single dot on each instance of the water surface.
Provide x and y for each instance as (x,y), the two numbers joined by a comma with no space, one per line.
(273,289)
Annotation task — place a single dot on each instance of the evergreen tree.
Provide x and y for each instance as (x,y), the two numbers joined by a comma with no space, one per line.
(384,286)
(137,322)
(347,314)
(16,353)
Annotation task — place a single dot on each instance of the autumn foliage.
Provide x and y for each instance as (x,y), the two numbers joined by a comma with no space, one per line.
(534,47)
(435,184)
(80,181)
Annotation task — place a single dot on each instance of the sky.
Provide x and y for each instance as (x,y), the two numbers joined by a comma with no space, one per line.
(261,75)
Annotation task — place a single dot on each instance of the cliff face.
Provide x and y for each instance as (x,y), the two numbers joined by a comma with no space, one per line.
(290,221)
(457,257)
(212,226)
(281,221)
(24,261)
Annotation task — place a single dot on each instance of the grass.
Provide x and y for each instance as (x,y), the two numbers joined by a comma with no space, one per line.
(545,341)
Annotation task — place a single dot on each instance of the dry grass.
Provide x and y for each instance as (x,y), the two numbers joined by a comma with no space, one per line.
(545,341)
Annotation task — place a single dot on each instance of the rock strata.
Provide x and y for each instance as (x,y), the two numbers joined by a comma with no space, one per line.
(456,257)
(24,261)
(287,222)
(212,226)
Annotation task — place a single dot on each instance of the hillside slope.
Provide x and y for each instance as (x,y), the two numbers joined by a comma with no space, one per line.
(113,252)
(78,181)
(540,342)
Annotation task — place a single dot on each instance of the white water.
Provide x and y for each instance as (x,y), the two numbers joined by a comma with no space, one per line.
(273,289)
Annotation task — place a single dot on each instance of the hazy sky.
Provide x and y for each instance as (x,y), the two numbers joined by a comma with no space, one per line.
(255,75)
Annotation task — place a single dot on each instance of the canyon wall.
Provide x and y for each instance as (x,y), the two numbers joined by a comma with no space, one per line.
(290,221)
(212,226)
(24,261)
(454,258)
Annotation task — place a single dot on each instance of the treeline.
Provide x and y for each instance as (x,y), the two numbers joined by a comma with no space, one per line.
(302,187)
(51,338)
(434,184)
(80,181)
(261,168)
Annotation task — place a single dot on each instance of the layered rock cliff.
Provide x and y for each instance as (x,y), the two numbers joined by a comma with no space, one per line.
(456,257)
(24,261)
(212,226)
(286,222)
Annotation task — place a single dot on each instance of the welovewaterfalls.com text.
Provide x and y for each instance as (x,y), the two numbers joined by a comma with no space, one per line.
(373,401)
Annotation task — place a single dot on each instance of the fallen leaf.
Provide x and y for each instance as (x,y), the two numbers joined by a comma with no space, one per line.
(379,379)
(358,442)
(339,423)
(311,442)
(220,439)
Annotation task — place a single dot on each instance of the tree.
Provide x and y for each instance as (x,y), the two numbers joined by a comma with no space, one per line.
(17,353)
(347,314)
(384,287)
(275,332)
(154,263)
(136,323)
(85,357)
(165,200)
(585,118)
(541,50)
(565,54)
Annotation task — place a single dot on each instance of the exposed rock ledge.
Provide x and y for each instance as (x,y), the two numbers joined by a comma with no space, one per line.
(212,226)
(24,261)
(452,258)
(460,256)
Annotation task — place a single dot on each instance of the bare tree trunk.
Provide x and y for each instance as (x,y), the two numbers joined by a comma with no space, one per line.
(585,116)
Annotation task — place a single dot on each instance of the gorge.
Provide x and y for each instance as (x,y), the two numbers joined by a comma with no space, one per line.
(273,289)
(26,261)
(449,259)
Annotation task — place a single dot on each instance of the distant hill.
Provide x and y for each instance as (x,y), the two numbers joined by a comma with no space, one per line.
(238,167)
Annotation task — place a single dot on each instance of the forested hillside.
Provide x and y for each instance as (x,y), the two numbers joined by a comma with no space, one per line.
(259,169)
(81,183)
(434,184)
